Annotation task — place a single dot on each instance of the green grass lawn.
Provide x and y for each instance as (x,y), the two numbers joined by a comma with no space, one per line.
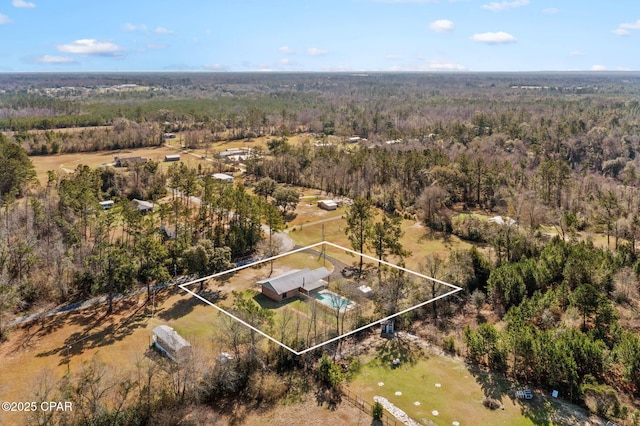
(458,398)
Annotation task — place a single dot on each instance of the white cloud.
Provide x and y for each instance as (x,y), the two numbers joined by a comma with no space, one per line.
(550,10)
(576,53)
(23,3)
(286,50)
(285,61)
(504,5)
(90,46)
(156,46)
(438,65)
(129,27)
(623,29)
(215,67)
(598,68)
(441,25)
(163,31)
(494,38)
(4,19)
(314,51)
(52,59)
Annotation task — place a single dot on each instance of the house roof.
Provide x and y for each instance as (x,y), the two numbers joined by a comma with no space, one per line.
(170,337)
(222,176)
(305,278)
(502,220)
(142,205)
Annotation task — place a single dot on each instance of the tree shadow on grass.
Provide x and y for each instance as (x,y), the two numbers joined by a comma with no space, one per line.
(539,410)
(92,336)
(179,309)
(36,330)
(493,385)
(398,348)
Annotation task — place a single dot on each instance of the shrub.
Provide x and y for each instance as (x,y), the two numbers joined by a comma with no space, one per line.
(491,403)
(449,345)
(470,228)
(376,411)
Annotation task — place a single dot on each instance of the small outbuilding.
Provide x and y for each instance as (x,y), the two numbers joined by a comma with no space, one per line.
(172,157)
(502,220)
(231,151)
(294,282)
(142,206)
(327,204)
(128,161)
(106,205)
(387,328)
(223,177)
(170,343)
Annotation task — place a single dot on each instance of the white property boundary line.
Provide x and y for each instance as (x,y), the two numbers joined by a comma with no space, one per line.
(184,286)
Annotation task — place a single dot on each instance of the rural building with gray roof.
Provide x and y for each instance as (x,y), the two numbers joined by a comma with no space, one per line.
(169,342)
(293,282)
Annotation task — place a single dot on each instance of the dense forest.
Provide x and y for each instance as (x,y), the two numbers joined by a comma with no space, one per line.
(557,153)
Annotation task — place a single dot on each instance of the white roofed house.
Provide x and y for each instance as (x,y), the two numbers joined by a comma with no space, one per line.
(292,283)
(223,177)
(142,206)
(169,342)
(327,204)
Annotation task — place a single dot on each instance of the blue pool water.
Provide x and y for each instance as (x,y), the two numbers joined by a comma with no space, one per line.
(333,300)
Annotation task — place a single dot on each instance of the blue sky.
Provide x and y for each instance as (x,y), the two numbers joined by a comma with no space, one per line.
(319,35)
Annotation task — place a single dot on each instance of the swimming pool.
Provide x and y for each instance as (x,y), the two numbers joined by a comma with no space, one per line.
(333,300)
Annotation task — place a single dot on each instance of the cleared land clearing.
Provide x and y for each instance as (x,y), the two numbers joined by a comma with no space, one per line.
(459,395)
(349,299)
(66,163)
(119,341)
(122,339)
(416,238)
(219,146)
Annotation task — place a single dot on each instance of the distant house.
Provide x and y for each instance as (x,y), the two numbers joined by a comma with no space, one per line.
(223,177)
(172,157)
(502,220)
(129,161)
(169,342)
(231,151)
(327,204)
(353,139)
(142,206)
(292,283)
(106,205)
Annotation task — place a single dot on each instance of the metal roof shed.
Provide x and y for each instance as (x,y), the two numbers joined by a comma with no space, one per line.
(168,341)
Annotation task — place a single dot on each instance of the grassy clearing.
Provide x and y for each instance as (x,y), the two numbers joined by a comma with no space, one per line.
(416,239)
(64,163)
(118,340)
(458,398)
